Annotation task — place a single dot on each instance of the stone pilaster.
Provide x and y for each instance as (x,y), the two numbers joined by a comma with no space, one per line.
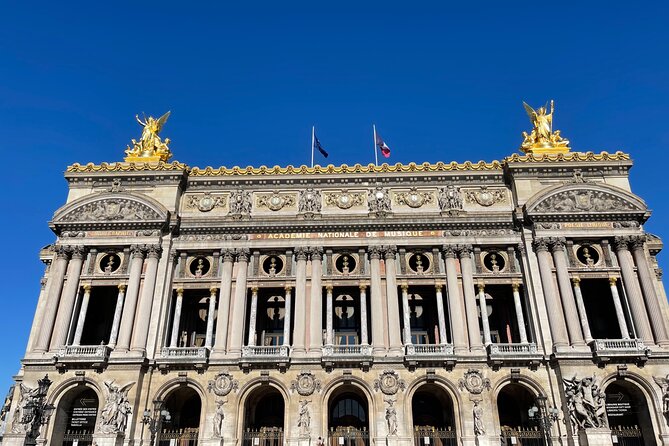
(392,301)
(146,299)
(566,293)
(300,326)
(467,269)
(67,300)
(128,317)
(316,302)
(378,329)
(455,303)
(238,313)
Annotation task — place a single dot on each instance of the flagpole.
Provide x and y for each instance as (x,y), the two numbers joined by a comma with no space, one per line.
(376,154)
(313,133)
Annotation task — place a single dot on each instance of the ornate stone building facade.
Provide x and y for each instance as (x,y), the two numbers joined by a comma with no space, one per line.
(517,301)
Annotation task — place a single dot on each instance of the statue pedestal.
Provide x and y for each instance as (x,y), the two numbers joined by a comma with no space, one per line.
(10,439)
(108,439)
(595,437)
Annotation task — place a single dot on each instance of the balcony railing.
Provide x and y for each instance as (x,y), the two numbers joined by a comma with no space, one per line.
(347,350)
(605,349)
(429,350)
(176,353)
(86,353)
(513,349)
(514,353)
(264,351)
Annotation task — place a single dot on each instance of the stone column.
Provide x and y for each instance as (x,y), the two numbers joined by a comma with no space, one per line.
(520,318)
(316,302)
(652,302)
(176,318)
(392,301)
(620,313)
(81,319)
(253,314)
(224,301)
(406,313)
(441,315)
(455,305)
(329,330)
(209,338)
(568,304)
(128,317)
(634,296)
(378,329)
(467,270)
(300,329)
(553,307)
(67,300)
(146,299)
(288,308)
(113,336)
(364,339)
(238,316)
(56,278)
(581,309)
(487,340)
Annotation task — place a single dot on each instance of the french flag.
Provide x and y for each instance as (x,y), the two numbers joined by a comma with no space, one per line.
(381,144)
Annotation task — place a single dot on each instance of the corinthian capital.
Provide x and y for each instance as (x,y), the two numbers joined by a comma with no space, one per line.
(137,251)
(301,253)
(243,255)
(228,254)
(557,244)
(375,252)
(465,251)
(621,243)
(316,253)
(540,244)
(77,251)
(390,252)
(638,242)
(450,251)
(154,251)
(62,252)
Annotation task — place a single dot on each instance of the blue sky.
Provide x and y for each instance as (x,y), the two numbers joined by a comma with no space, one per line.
(246,81)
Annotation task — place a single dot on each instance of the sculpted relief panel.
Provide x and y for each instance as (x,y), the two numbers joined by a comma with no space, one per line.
(112,209)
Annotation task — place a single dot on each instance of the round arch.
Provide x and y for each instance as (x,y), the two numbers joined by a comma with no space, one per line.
(258,403)
(448,388)
(356,391)
(513,399)
(76,415)
(632,401)
(185,402)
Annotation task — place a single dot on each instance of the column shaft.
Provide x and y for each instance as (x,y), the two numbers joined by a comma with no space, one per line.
(287,317)
(316,303)
(652,302)
(300,325)
(253,313)
(146,300)
(66,306)
(620,313)
(555,316)
(487,340)
(378,330)
(364,339)
(455,304)
(580,304)
(238,315)
(329,331)
(113,336)
(634,296)
(568,303)
(470,299)
(224,303)
(406,313)
(441,315)
(392,301)
(209,338)
(128,316)
(176,318)
(82,315)
(520,318)
(56,278)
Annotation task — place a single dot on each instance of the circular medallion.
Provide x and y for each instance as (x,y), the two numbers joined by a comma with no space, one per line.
(344,201)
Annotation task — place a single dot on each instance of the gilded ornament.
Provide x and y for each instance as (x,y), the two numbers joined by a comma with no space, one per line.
(344,199)
(414,198)
(150,148)
(486,197)
(542,139)
(275,201)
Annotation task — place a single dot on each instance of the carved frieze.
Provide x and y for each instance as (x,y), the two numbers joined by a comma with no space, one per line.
(485,196)
(344,199)
(240,204)
(389,382)
(584,200)
(275,201)
(309,201)
(205,202)
(414,198)
(112,209)
(378,201)
(450,198)
(306,384)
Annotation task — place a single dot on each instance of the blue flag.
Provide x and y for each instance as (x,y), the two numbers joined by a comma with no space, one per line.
(320,148)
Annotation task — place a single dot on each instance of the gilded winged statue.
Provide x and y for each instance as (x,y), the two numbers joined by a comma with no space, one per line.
(150,147)
(542,138)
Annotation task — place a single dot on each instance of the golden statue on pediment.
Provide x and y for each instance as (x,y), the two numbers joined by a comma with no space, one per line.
(150,148)
(542,138)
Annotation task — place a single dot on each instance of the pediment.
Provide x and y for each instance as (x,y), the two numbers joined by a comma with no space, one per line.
(111,209)
(586,201)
